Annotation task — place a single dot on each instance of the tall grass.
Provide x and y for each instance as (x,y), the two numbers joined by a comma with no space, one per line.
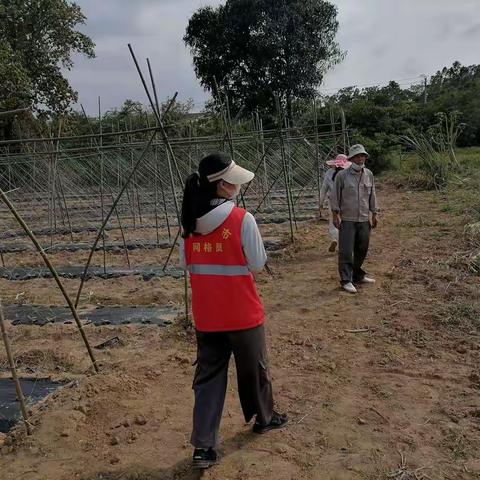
(436,149)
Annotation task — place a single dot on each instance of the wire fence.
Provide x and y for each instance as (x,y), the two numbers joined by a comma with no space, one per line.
(66,188)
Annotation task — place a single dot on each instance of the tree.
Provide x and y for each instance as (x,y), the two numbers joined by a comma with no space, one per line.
(255,50)
(37,41)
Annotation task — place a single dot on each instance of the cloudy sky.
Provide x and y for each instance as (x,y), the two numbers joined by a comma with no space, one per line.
(384,39)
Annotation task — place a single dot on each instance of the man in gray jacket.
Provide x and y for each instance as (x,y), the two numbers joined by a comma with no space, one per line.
(354,206)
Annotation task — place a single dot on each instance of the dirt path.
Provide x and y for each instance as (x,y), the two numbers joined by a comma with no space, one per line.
(368,380)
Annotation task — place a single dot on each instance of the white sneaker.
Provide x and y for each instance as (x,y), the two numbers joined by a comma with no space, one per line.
(368,280)
(349,287)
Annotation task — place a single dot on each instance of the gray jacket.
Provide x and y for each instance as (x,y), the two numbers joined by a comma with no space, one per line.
(353,195)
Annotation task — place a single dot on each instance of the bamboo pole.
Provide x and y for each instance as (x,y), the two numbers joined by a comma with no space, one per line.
(132,206)
(135,181)
(57,175)
(116,210)
(344,129)
(284,166)
(317,153)
(171,251)
(168,147)
(102,203)
(122,233)
(260,163)
(165,208)
(49,265)
(155,189)
(13,370)
(268,191)
(170,157)
(332,121)
(62,192)
(262,146)
(156,111)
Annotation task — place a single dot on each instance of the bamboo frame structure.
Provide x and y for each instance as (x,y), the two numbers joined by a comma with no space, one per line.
(119,178)
(54,273)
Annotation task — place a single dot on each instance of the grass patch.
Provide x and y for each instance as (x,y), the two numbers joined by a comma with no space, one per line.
(458,314)
(460,197)
(464,180)
(458,444)
(421,221)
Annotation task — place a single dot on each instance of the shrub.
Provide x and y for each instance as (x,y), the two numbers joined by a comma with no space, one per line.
(436,149)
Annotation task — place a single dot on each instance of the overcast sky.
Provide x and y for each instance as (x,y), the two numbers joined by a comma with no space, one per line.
(384,39)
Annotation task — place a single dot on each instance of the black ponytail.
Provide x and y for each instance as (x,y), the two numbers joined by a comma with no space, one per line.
(197,198)
(338,169)
(191,192)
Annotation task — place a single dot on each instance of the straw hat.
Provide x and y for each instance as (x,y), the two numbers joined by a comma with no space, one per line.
(340,161)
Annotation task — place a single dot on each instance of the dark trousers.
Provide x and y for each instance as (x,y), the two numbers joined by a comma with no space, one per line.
(210,383)
(354,238)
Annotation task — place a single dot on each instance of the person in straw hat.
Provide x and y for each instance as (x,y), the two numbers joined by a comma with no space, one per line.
(355,213)
(221,246)
(336,165)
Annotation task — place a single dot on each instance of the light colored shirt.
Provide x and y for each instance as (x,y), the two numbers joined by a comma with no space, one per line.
(327,186)
(353,195)
(252,243)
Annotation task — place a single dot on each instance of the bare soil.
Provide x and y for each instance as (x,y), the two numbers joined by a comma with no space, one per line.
(384,384)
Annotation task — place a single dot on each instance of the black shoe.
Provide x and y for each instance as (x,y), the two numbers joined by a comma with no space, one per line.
(279,420)
(203,459)
(333,247)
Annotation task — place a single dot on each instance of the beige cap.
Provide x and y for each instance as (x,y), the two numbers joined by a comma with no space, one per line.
(234,174)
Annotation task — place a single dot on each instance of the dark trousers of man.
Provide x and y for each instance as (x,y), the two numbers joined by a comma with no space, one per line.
(210,383)
(353,241)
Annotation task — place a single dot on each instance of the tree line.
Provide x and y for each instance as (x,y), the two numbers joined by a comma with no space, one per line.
(255,57)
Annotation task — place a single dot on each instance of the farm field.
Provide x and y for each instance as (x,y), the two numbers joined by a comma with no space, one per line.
(125,126)
(384,384)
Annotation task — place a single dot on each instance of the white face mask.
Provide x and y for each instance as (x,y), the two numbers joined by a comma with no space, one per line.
(357,168)
(231,191)
(236,192)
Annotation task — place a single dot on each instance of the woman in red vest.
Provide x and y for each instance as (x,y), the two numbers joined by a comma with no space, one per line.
(221,248)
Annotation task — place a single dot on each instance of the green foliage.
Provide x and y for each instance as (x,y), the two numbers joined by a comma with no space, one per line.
(14,81)
(254,50)
(458,89)
(436,149)
(393,111)
(37,41)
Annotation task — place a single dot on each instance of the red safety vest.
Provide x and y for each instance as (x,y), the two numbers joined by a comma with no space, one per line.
(224,297)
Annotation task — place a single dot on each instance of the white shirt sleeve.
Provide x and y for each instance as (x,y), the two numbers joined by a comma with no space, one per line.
(252,244)
(326,186)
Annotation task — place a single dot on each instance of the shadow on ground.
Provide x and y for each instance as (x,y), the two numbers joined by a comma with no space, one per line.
(181,470)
